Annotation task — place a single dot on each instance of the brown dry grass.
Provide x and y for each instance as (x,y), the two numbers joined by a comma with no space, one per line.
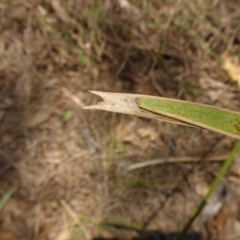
(70,164)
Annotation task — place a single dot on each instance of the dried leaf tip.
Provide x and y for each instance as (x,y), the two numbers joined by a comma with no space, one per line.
(94,106)
(127,103)
(116,102)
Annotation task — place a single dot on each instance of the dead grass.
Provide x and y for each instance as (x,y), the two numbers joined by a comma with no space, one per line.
(69,164)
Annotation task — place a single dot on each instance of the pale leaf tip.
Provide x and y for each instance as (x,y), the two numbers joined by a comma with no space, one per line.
(94,106)
(91,107)
(95,92)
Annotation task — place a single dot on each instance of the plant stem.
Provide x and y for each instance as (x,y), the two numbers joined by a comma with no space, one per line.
(213,187)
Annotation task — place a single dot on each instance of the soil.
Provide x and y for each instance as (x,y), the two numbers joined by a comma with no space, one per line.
(70,166)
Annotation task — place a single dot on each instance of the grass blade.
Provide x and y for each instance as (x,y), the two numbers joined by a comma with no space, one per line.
(220,120)
(7,197)
(216,119)
(126,103)
(213,187)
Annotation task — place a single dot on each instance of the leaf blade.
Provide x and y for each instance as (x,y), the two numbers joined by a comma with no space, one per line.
(216,119)
(126,103)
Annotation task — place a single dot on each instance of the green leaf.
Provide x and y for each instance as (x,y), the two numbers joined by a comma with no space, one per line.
(216,119)
(67,116)
(121,147)
(171,110)
(80,142)
(211,190)
(7,197)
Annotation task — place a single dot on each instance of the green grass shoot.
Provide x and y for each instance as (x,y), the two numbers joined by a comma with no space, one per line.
(211,190)
(7,196)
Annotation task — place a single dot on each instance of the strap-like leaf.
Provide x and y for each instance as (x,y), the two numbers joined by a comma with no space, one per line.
(171,110)
(216,119)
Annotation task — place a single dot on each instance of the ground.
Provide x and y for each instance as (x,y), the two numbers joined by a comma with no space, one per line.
(71,171)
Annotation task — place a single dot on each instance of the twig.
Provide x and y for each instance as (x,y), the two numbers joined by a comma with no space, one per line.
(136,166)
(75,218)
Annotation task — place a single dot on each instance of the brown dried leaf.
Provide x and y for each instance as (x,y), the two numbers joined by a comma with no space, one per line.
(38,118)
(126,103)
(232,65)
(63,235)
(149,132)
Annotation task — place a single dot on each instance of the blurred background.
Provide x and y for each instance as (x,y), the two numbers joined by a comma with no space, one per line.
(69,173)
